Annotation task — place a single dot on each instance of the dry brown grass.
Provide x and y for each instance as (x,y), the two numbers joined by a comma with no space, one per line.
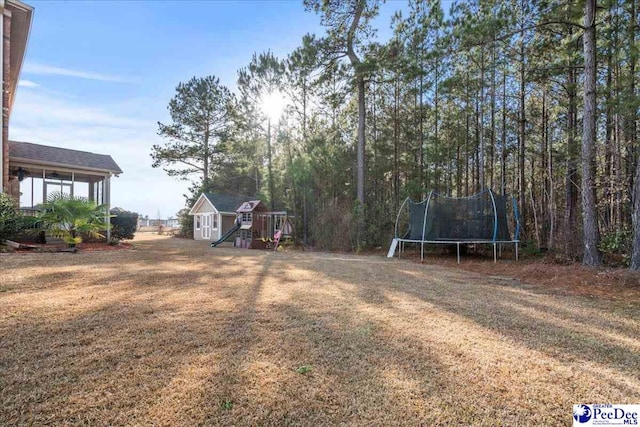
(175,333)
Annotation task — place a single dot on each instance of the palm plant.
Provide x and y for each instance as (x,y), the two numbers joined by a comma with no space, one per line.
(69,217)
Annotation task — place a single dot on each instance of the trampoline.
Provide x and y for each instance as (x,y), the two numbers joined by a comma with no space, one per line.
(442,220)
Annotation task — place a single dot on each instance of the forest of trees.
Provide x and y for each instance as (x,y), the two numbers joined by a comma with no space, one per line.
(538,100)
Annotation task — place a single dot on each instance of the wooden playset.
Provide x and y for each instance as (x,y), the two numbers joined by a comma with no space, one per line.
(258,228)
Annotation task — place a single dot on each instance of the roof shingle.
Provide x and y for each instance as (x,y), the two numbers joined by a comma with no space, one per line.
(62,156)
(226,202)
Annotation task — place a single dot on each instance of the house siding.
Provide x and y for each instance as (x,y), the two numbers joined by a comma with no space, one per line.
(216,233)
(206,208)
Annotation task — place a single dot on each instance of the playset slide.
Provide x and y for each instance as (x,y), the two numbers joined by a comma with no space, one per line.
(228,234)
(393,247)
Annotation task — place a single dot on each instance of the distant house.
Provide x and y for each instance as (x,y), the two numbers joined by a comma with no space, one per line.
(173,222)
(214,215)
(155,222)
(143,222)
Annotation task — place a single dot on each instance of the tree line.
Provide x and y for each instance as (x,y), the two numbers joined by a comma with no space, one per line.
(533,99)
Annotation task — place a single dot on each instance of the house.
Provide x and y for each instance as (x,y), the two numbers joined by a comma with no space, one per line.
(214,215)
(36,171)
(31,172)
(15,26)
(169,222)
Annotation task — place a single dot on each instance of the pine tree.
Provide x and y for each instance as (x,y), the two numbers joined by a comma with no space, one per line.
(201,114)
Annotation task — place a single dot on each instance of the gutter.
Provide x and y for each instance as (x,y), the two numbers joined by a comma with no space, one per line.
(30,162)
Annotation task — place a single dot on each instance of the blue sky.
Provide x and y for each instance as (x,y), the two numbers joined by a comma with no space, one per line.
(98,75)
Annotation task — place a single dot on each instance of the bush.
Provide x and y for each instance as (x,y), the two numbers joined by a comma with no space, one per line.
(186,224)
(617,244)
(123,224)
(10,217)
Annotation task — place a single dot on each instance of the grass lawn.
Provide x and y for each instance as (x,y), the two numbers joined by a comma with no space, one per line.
(176,333)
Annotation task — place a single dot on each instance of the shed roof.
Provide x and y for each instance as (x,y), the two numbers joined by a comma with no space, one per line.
(226,202)
(56,156)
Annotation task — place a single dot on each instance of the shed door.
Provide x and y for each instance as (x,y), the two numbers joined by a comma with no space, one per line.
(206,226)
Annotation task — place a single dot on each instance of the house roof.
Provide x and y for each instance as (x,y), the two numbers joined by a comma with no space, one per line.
(21,18)
(226,202)
(56,156)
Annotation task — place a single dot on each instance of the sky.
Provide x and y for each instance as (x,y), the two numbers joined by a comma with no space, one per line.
(98,75)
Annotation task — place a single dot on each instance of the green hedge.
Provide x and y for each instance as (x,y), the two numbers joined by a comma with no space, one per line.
(123,224)
(10,217)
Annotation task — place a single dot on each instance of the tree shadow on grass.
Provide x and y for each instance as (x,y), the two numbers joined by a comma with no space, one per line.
(528,317)
(107,350)
(216,337)
(95,367)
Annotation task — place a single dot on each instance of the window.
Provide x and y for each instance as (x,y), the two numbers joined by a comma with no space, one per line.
(197,222)
(215,221)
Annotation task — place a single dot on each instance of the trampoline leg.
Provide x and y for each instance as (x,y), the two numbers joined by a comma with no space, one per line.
(422,251)
(458,251)
(516,251)
(495,253)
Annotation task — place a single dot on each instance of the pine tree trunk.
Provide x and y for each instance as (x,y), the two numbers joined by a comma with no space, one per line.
(396,143)
(492,145)
(503,145)
(608,181)
(635,219)
(631,131)
(270,167)
(591,234)
(571,193)
(481,180)
(360,158)
(632,113)
(437,155)
(466,138)
(521,139)
(205,166)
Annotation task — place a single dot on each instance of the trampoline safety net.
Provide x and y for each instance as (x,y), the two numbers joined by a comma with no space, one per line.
(481,217)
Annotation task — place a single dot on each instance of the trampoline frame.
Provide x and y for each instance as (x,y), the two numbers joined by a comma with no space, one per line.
(494,241)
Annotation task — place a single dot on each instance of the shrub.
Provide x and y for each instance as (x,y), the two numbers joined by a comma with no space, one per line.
(70,217)
(123,224)
(618,243)
(186,224)
(10,217)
